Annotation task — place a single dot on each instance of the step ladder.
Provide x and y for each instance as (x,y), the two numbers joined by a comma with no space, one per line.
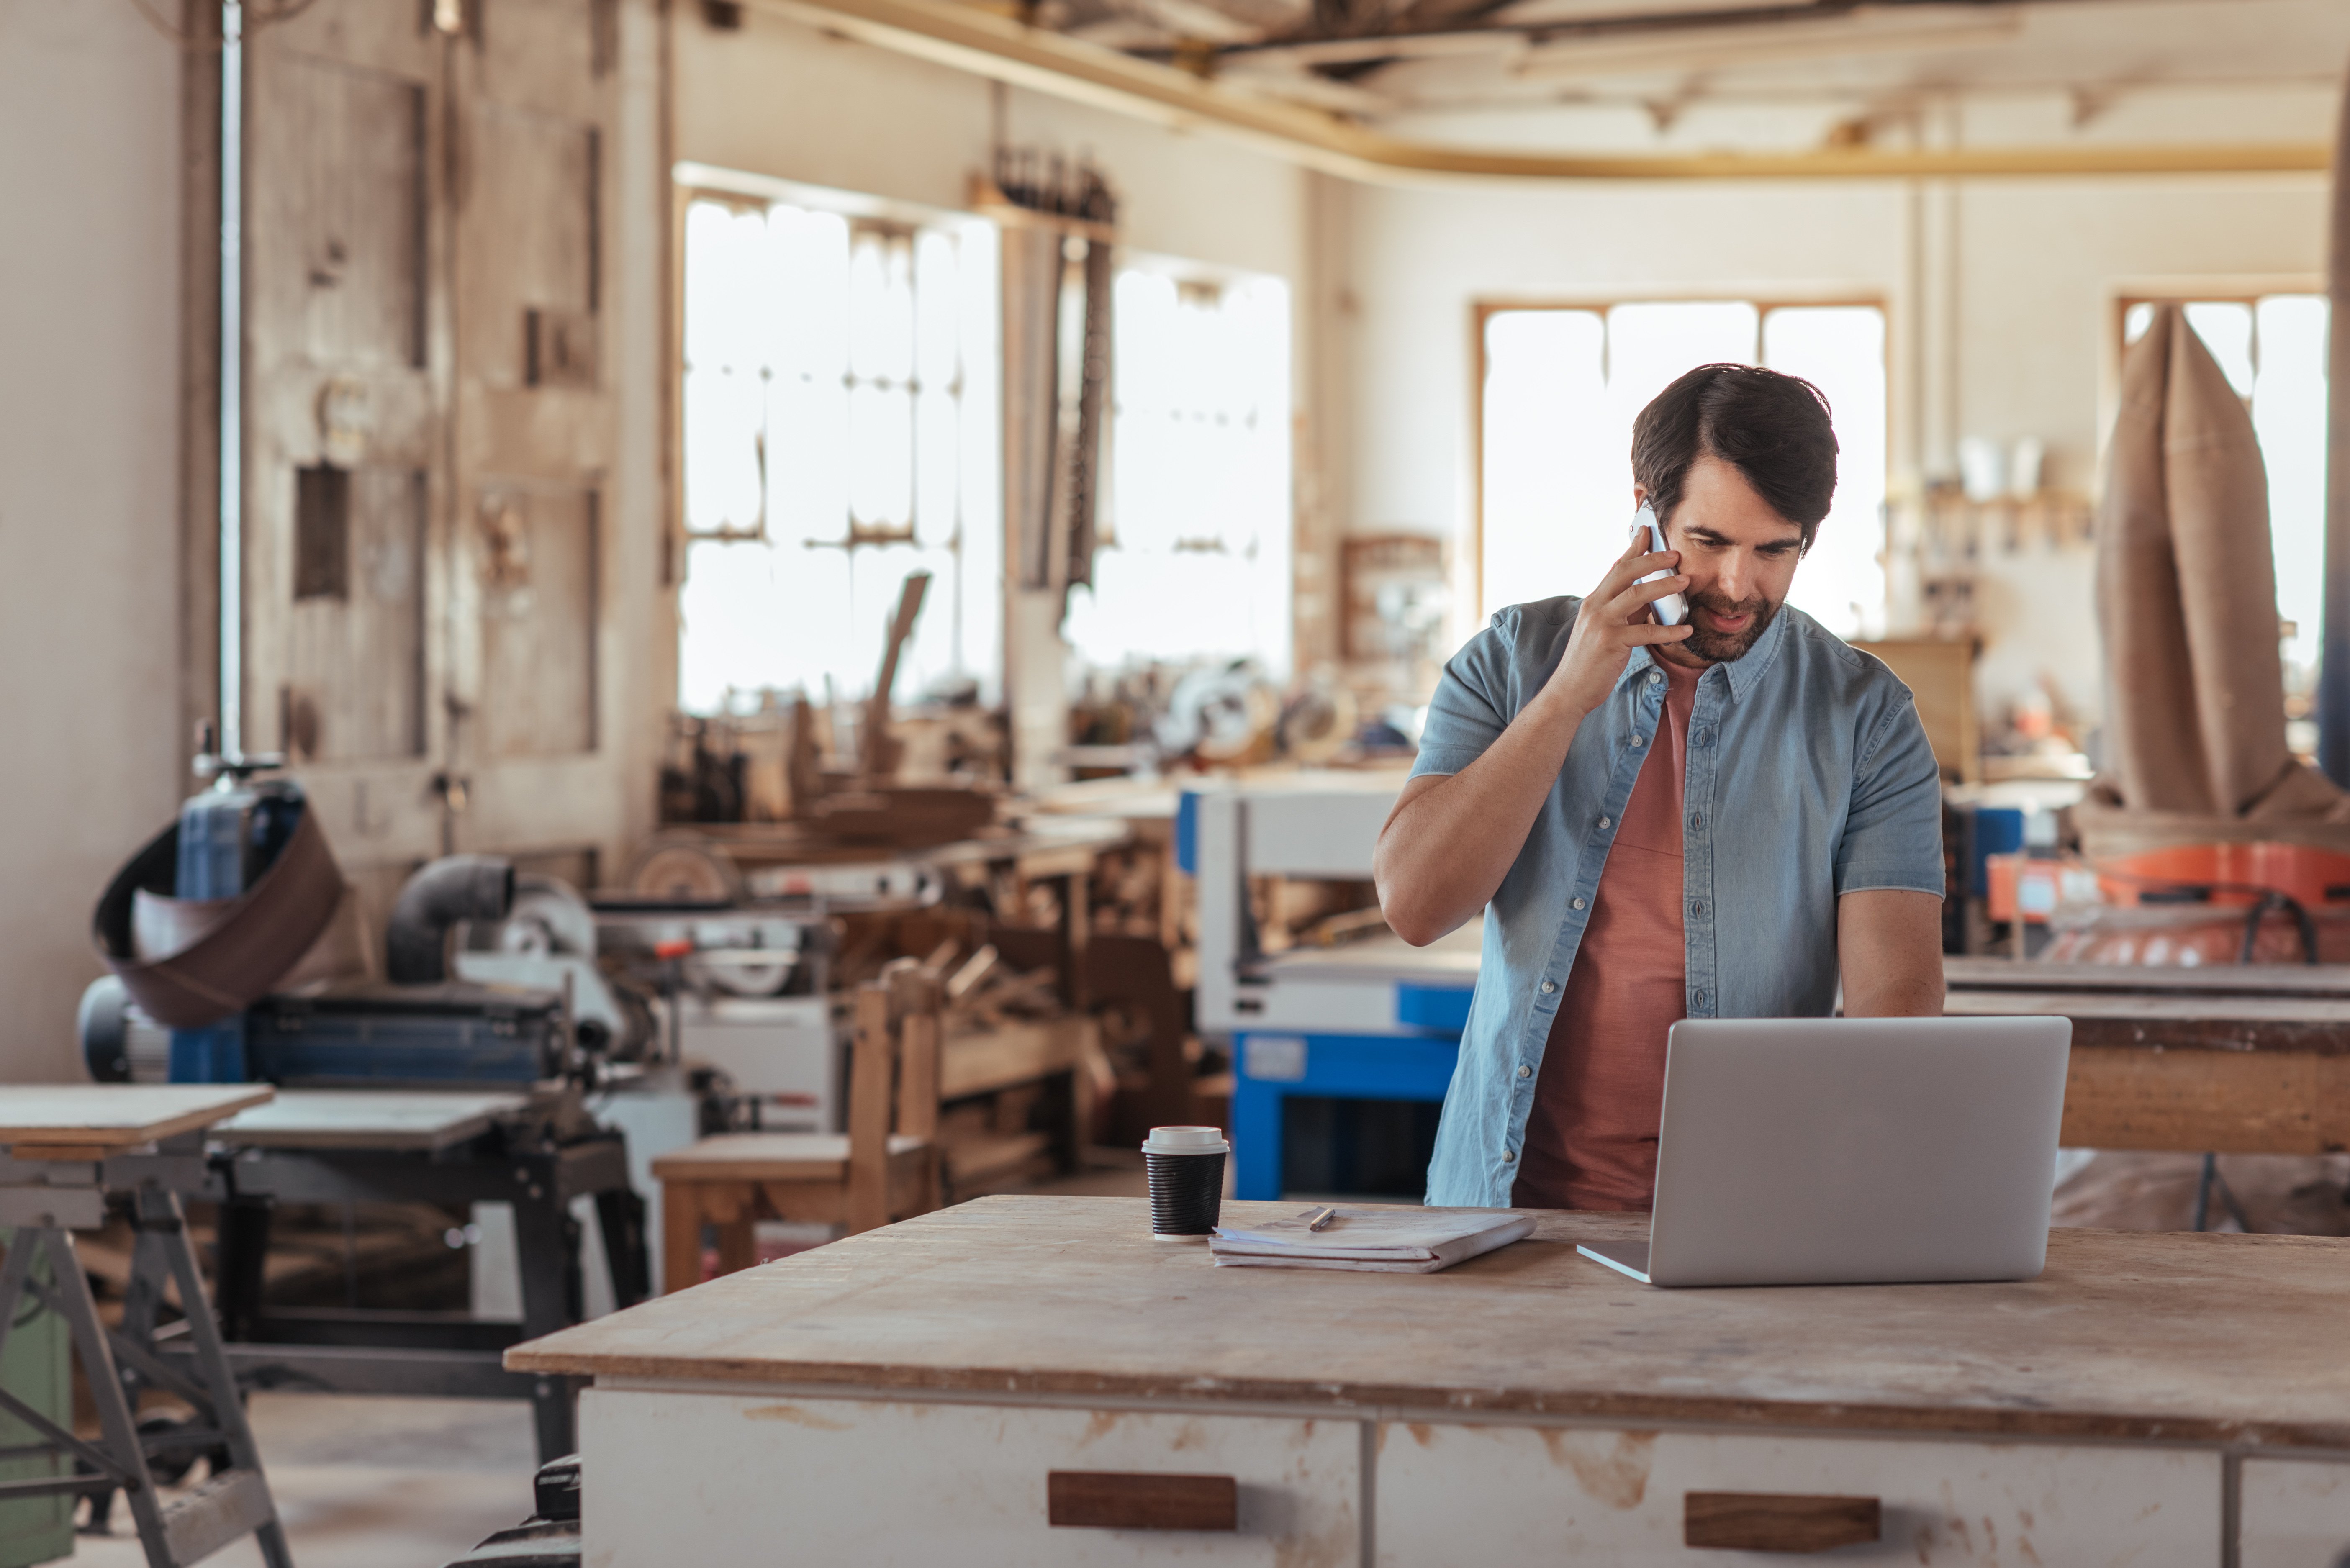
(234,1501)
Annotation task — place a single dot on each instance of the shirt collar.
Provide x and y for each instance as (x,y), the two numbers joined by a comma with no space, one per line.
(1742,673)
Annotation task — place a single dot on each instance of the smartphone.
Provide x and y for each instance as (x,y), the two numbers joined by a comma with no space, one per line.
(1673,609)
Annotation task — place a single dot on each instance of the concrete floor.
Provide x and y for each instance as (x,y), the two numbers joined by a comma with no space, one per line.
(373,1482)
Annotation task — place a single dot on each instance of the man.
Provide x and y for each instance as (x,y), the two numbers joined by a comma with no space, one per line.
(1712,819)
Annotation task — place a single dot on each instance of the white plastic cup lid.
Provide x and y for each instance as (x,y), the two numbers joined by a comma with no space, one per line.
(1186,1140)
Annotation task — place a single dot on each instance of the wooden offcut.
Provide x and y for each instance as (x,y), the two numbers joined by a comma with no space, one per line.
(1108,1500)
(1776,1521)
(89,1121)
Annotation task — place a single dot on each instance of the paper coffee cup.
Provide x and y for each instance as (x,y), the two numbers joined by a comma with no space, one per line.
(1186,1168)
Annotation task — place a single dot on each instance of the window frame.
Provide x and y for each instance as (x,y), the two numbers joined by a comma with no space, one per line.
(1479,368)
(743,191)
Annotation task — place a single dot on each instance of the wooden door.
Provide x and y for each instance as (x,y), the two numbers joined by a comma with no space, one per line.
(429,426)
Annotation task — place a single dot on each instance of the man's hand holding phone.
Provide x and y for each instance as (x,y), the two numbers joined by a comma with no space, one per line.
(1616,619)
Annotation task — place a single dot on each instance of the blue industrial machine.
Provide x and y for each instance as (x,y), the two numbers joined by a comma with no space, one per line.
(421,1026)
(1374,1020)
(229,836)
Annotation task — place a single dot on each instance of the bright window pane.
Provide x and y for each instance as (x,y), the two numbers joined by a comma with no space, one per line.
(1841,350)
(2289,400)
(1563,388)
(1195,560)
(1551,484)
(836,377)
(2226,329)
(723,415)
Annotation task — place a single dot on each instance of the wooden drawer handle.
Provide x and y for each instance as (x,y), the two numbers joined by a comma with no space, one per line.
(1776,1521)
(1113,1500)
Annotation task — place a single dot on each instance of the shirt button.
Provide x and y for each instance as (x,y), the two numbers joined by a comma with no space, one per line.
(1548,986)
(1524,1071)
(1606,822)
(1577,902)
(1636,740)
(1655,676)
(1509,1156)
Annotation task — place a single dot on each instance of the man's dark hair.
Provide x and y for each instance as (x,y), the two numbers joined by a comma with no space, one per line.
(1773,429)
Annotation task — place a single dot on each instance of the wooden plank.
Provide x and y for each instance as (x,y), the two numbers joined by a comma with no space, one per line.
(2181,1337)
(1010,1054)
(2296,1024)
(116,1115)
(1774,1522)
(1141,1499)
(765,1157)
(2233,1102)
(369,1118)
(2221,980)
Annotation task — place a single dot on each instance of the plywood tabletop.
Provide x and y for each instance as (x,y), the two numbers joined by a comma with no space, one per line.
(399,1119)
(2204,980)
(2303,1024)
(116,1115)
(2127,1335)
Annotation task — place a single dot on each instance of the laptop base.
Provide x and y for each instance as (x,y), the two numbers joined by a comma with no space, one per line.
(1625,1257)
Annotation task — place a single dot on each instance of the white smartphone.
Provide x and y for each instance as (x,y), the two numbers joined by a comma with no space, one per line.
(1673,609)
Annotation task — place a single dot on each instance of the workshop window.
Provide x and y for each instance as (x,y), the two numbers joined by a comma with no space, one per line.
(1194,556)
(1561,389)
(839,431)
(2273,347)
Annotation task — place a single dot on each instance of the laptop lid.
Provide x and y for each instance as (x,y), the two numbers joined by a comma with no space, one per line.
(1856,1150)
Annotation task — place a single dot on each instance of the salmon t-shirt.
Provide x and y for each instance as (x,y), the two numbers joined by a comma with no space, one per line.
(1591,1139)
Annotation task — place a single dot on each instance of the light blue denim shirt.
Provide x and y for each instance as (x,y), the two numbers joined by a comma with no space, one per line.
(1808,776)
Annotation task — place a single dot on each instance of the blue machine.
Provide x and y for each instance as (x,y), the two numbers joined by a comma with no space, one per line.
(229,834)
(1377,1020)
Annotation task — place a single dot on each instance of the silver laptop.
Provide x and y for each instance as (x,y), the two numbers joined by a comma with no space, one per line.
(1802,1151)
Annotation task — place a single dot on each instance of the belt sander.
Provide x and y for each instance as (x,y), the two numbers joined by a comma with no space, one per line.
(215,933)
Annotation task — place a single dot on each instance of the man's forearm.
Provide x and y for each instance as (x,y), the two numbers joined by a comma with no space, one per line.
(1447,847)
(1889,949)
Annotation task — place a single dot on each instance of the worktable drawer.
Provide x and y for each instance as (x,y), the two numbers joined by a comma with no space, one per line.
(2295,1513)
(1475,1497)
(721,1479)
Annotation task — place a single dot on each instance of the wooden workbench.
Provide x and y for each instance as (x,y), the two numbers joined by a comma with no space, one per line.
(2241,1060)
(901,1398)
(90,1121)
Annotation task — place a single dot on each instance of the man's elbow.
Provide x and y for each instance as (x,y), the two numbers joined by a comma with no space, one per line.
(1406,917)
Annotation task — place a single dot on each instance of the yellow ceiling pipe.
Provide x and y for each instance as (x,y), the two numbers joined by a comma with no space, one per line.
(985,44)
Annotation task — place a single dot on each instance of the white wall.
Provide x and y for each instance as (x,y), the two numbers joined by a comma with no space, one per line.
(89,537)
(1998,293)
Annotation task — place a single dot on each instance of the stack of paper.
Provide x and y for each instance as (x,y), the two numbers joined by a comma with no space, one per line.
(1381,1240)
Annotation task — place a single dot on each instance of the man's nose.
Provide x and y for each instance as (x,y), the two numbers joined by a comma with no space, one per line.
(1734,579)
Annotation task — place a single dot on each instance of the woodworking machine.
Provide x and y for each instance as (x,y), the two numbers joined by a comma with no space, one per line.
(1374,1020)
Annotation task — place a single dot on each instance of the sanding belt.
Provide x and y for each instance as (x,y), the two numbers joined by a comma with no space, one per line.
(189,962)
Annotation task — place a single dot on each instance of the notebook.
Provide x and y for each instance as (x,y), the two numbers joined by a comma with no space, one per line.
(1377,1241)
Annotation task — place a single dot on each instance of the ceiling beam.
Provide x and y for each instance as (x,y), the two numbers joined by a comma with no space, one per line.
(984,44)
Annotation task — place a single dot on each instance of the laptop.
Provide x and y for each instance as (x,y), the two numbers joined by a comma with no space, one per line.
(1812,1151)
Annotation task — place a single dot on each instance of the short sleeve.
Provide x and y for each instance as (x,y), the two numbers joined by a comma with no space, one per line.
(1473,703)
(1893,833)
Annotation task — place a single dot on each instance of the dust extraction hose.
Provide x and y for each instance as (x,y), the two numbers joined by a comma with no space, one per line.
(455,887)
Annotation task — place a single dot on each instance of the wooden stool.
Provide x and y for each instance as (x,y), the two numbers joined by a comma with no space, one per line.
(863,1181)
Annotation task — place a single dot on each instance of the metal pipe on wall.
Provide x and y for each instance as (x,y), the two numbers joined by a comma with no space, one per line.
(232,380)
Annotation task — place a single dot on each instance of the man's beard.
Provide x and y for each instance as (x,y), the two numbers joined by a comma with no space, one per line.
(1726,648)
